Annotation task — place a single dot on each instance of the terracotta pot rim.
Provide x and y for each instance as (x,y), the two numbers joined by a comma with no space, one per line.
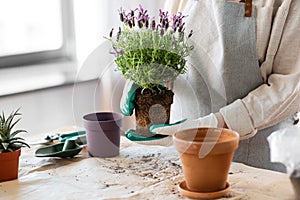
(198,142)
(5,154)
(19,149)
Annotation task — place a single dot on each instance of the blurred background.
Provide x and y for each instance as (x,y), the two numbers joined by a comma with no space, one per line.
(55,62)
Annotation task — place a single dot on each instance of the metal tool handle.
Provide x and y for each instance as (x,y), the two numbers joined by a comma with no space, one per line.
(63,137)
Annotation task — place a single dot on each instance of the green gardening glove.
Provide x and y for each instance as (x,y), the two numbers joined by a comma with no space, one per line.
(162,133)
(156,139)
(127,99)
(128,96)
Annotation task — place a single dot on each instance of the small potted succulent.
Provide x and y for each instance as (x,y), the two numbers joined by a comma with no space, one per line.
(10,146)
(152,54)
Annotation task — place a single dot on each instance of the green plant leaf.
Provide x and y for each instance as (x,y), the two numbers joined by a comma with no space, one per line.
(15,146)
(2,121)
(12,135)
(5,145)
(10,118)
(20,142)
(11,127)
(16,138)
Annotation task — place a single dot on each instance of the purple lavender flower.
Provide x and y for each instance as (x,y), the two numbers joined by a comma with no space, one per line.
(190,34)
(127,18)
(118,34)
(130,24)
(141,10)
(140,24)
(164,17)
(133,21)
(164,21)
(111,32)
(153,24)
(167,23)
(122,14)
(143,17)
(143,20)
(181,27)
(178,23)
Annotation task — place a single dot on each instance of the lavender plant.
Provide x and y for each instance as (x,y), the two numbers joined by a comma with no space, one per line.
(150,52)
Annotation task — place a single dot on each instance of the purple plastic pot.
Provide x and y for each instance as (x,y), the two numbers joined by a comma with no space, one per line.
(103,133)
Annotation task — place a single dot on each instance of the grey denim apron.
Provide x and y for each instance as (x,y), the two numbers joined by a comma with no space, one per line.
(222,68)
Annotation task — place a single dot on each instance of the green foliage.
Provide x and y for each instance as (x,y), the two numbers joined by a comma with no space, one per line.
(8,139)
(150,59)
(151,55)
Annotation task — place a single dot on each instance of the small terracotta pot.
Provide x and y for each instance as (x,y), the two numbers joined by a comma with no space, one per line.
(9,165)
(206,155)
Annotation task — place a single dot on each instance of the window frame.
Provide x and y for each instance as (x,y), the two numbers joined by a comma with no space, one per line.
(66,52)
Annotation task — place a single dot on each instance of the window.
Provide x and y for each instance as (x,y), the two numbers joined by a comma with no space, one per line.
(95,18)
(32,31)
(40,34)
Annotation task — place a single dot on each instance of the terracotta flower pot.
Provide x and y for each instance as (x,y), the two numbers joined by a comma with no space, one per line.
(9,165)
(206,155)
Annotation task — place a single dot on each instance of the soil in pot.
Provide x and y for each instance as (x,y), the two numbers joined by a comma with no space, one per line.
(206,155)
(9,165)
(152,107)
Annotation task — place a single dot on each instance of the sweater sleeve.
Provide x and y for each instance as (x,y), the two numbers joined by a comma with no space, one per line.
(279,96)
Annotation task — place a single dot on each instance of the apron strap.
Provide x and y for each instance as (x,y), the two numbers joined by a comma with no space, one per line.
(248,7)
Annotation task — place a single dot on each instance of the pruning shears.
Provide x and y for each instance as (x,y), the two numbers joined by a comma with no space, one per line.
(62,137)
(78,136)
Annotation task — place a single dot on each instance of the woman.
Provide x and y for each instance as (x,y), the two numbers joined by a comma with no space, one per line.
(244,73)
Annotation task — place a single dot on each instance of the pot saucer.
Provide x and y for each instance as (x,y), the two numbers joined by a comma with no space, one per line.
(202,195)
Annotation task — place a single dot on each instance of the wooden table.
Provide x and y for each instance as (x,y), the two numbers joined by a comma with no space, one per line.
(140,172)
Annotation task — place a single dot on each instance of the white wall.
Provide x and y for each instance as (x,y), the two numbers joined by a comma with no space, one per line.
(51,109)
(48,109)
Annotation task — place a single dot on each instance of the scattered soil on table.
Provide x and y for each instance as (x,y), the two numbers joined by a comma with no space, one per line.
(146,166)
